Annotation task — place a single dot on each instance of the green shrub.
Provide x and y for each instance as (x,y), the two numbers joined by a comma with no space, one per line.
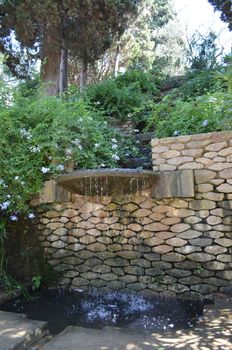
(126,97)
(41,136)
(206,113)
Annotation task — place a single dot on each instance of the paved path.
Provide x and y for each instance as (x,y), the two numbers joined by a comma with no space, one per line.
(213,333)
(16,332)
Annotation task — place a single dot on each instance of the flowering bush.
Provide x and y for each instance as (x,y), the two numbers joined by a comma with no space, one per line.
(199,105)
(128,96)
(41,136)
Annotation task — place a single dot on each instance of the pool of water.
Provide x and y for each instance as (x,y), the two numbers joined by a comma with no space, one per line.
(97,309)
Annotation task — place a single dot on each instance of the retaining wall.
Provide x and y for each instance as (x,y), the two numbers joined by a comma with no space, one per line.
(172,245)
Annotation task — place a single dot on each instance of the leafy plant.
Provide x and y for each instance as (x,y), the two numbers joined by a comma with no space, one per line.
(36,282)
(126,97)
(41,136)
(201,104)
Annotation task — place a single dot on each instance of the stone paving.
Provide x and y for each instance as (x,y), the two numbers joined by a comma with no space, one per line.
(16,332)
(214,333)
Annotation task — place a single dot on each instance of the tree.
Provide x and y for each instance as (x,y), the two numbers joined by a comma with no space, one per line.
(152,39)
(54,29)
(225,7)
(202,51)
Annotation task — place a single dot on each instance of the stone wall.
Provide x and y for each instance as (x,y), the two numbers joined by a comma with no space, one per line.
(172,245)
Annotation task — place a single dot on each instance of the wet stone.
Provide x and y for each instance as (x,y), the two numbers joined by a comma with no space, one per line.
(202,204)
(109,277)
(225,258)
(162,265)
(117,261)
(179,273)
(215,265)
(152,256)
(80,282)
(178,288)
(153,241)
(162,249)
(188,249)
(116,285)
(178,228)
(173,257)
(141,263)
(76,247)
(129,279)
(201,242)
(53,226)
(134,270)
(97,247)
(176,242)
(225,242)
(154,272)
(189,234)
(201,257)
(118,271)
(204,288)
(215,250)
(101,268)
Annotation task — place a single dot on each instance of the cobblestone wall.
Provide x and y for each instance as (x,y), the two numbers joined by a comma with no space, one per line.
(175,246)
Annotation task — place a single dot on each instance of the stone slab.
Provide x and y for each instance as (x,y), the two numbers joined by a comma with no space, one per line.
(174,184)
(16,332)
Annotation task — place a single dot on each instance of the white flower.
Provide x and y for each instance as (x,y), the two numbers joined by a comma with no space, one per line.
(31,216)
(115,157)
(16,177)
(25,133)
(35,149)
(114,140)
(45,170)
(14,218)
(2,183)
(76,142)
(129,115)
(176,133)
(96,145)
(102,165)
(98,103)
(5,205)
(60,167)
(205,122)
(68,151)
(114,146)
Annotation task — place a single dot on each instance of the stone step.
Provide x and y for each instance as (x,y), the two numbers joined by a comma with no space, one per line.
(17,332)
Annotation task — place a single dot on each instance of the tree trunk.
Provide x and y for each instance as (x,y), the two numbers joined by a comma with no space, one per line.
(50,64)
(63,77)
(83,74)
(116,61)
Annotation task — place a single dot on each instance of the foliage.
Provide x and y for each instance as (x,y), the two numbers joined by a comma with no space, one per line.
(29,30)
(40,136)
(199,107)
(224,6)
(126,97)
(36,282)
(202,51)
(7,281)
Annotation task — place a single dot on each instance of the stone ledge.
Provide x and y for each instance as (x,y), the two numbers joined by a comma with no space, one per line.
(174,184)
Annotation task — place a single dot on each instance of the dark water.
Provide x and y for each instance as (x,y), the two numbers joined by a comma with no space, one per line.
(97,310)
